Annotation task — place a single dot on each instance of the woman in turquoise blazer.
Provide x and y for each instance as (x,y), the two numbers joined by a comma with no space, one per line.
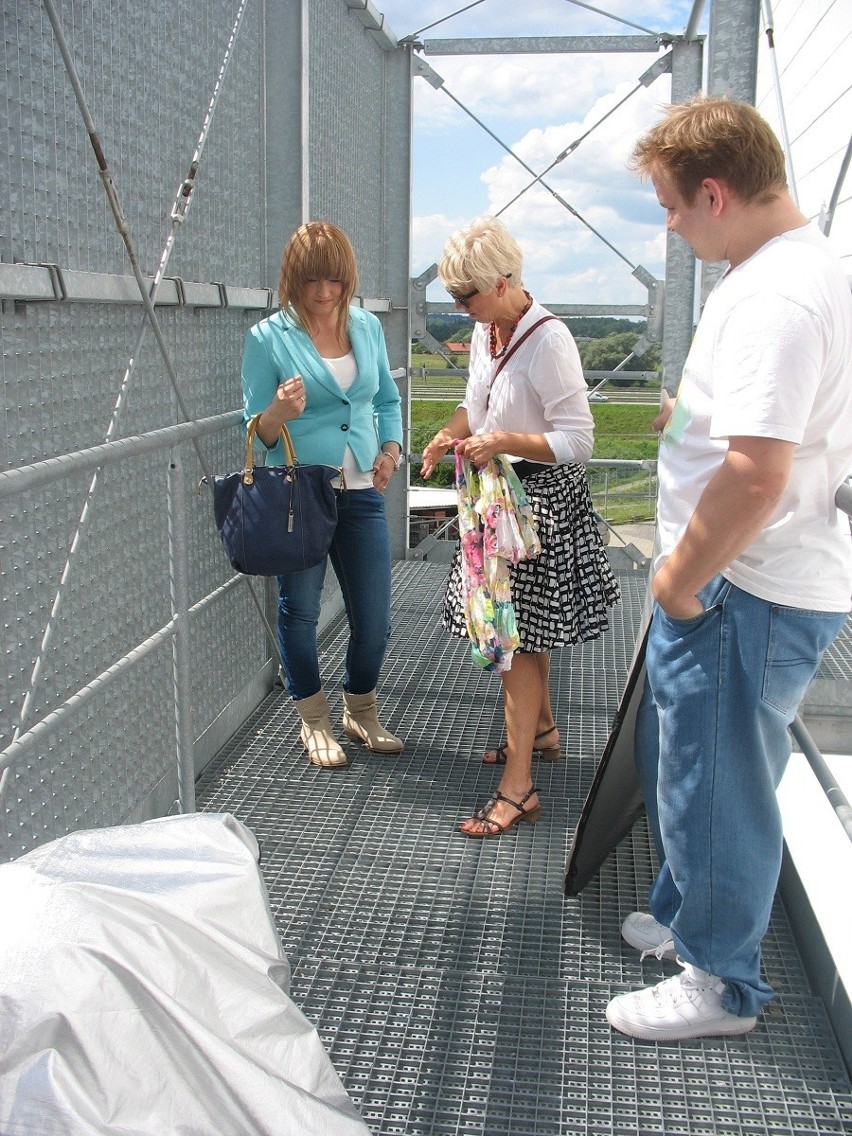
(321,365)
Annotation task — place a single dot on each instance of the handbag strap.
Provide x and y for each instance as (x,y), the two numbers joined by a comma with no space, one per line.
(512,350)
(289,452)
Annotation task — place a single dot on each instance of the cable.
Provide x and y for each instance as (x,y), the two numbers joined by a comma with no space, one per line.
(659,67)
(538,178)
(178,215)
(444,19)
(838,185)
(785,140)
(612,16)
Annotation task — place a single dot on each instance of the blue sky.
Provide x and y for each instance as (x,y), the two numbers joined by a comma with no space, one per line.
(538,105)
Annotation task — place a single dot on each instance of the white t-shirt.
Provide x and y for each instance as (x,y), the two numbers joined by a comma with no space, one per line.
(541,389)
(772,358)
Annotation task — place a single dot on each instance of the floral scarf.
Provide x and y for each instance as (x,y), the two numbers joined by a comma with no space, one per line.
(496,528)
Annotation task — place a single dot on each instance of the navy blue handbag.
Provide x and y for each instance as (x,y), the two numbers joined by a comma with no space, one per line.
(275,519)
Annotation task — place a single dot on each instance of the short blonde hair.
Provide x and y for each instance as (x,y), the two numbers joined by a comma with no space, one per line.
(474,258)
(714,137)
(317,250)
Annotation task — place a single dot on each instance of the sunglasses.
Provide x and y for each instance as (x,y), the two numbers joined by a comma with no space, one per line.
(463,301)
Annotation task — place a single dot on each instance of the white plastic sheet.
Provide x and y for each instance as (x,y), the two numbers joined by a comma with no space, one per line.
(143,992)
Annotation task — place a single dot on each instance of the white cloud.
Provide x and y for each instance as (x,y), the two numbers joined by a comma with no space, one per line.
(501,90)
(564,259)
(538,105)
(428,234)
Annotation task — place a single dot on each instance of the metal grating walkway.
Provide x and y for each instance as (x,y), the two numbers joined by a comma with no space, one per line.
(455,988)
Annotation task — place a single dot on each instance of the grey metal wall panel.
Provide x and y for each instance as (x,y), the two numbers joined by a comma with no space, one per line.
(87,599)
(148,74)
(348,93)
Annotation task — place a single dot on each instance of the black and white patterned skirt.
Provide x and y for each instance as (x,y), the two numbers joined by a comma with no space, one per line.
(561,596)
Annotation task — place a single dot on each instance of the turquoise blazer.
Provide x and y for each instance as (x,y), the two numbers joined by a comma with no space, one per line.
(364,417)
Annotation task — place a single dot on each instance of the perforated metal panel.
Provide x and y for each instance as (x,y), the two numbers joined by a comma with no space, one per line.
(87,574)
(148,72)
(348,137)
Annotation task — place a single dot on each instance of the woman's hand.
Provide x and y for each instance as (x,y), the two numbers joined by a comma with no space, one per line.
(481,448)
(457,427)
(384,467)
(289,402)
(290,399)
(433,453)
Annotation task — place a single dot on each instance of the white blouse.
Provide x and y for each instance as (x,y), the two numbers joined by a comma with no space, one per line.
(541,389)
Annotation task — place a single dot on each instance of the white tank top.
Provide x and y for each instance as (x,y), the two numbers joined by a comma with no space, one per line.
(345,370)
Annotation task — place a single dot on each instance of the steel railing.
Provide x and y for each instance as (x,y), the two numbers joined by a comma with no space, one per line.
(15,482)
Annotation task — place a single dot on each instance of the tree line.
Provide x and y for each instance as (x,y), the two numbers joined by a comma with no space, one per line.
(604,342)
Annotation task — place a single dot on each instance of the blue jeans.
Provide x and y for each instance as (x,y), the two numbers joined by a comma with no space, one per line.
(361,558)
(711,745)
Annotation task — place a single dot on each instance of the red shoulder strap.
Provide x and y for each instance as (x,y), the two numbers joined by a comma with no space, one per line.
(518,342)
(513,348)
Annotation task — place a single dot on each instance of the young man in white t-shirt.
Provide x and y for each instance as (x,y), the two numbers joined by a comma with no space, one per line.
(754,576)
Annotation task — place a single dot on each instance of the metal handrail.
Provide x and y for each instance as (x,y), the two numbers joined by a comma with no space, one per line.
(26,477)
(836,796)
(20,480)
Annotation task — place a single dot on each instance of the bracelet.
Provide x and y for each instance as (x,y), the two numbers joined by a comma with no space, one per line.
(397,462)
(379,457)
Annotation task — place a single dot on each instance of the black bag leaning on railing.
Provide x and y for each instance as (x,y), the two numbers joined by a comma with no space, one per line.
(275,519)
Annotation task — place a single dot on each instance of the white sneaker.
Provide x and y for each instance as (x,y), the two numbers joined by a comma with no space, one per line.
(688,1005)
(648,936)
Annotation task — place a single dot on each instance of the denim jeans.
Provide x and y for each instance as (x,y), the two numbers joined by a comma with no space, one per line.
(360,556)
(711,745)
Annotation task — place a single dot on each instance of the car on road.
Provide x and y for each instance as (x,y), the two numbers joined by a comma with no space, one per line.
(596,396)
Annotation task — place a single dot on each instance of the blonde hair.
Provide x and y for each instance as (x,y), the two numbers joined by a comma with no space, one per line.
(474,258)
(714,137)
(317,250)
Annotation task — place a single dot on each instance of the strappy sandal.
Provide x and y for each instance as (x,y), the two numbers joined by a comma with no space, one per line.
(549,753)
(497,829)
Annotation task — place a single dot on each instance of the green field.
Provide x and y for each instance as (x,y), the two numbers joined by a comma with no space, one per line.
(436,361)
(621,432)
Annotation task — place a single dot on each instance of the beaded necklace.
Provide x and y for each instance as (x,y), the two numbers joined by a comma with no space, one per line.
(492,330)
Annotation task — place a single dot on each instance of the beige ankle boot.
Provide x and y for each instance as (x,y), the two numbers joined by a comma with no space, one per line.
(361,721)
(316,734)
